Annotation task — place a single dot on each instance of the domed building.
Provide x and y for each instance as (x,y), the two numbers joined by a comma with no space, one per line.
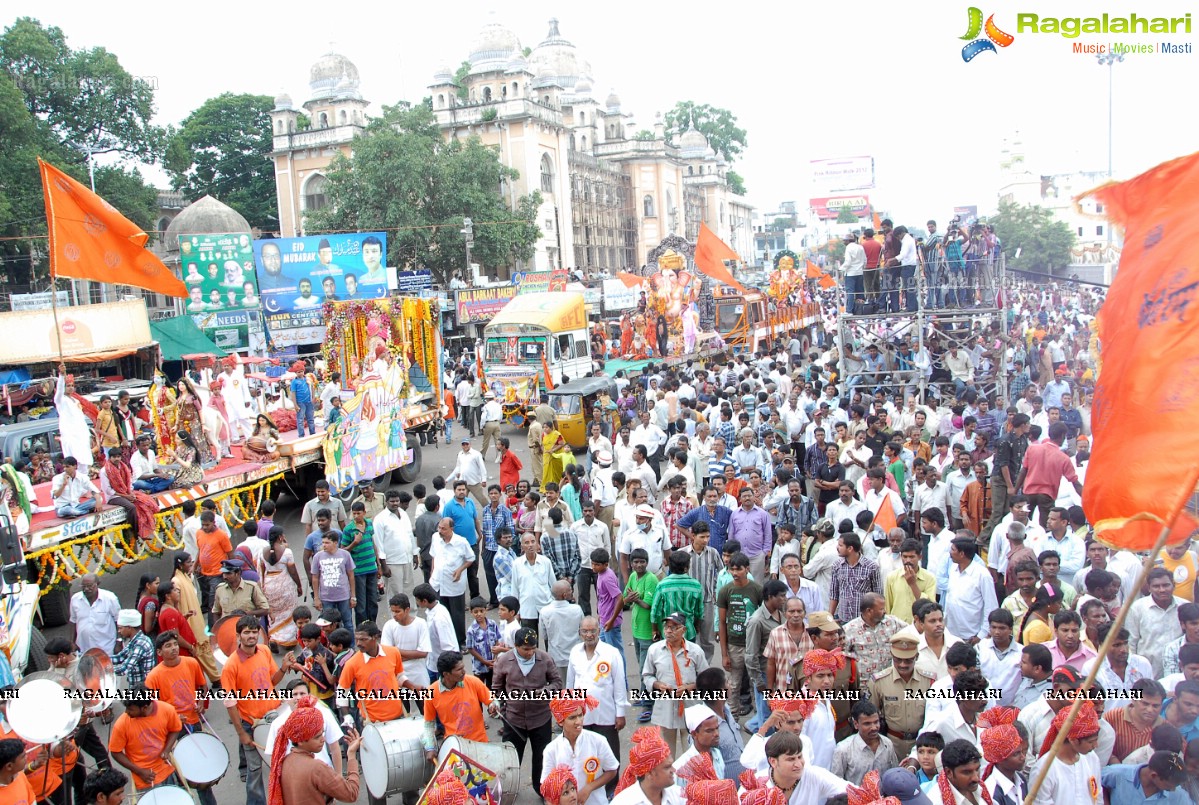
(336,113)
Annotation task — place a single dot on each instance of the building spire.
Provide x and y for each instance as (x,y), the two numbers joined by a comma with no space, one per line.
(553,28)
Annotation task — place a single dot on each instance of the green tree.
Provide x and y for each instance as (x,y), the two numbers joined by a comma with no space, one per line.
(718,125)
(125,189)
(1044,242)
(644,134)
(85,98)
(223,149)
(846,216)
(735,182)
(460,80)
(403,177)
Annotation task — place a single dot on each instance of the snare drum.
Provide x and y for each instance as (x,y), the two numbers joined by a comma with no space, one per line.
(262,734)
(393,758)
(201,759)
(166,795)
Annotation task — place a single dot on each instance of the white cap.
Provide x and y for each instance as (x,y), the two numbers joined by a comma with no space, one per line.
(129,617)
(697,714)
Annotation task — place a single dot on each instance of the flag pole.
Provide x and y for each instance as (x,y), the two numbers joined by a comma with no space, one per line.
(1112,634)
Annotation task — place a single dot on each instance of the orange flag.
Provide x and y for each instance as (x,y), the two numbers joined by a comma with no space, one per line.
(1148,386)
(630,280)
(710,254)
(884,518)
(876,221)
(549,380)
(813,270)
(90,240)
(827,282)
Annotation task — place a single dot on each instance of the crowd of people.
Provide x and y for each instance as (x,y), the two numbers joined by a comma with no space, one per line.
(798,594)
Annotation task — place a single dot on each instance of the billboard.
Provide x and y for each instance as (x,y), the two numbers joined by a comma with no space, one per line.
(968,214)
(848,173)
(829,207)
(230,329)
(411,283)
(618,296)
(112,329)
(480,304)
(38,301)
(541,281)
(298,275)
(219,272)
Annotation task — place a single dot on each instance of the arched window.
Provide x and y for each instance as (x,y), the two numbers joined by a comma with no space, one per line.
(582,118)
(503,90)
(583,143)
(291,127)
(546,100)
(547,174)
(278,126)
(486,94)
(342,119)
(572,142)
(440,101)
(314,192)
(647,206)
(515,89)
(324,121)
(690,170)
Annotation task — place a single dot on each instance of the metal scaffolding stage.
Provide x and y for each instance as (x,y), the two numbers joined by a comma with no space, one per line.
(932,330)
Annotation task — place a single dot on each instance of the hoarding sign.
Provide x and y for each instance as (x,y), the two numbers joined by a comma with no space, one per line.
(38,301)
(219,272)
(230,329)
(414,282)
(968,214)
(481,304)
(82,330)
(542,281)
(618,296)
(849,173)
(829,207)
(298,275)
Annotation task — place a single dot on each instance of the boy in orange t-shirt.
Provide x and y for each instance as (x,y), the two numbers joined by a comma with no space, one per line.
(143,734)
(375,670)
(14,787)
(177,680)
(213,547)
(457,702)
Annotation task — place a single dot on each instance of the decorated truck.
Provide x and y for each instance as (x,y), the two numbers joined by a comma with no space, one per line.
(389,354)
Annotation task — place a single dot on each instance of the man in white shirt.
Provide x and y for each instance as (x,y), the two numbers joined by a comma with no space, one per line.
(395,545)
(970,593)
(955,484)
(932,494)
(147,475)
(649,436)
(410,635)
(532,581)
(490,418)
(999,657)
(452,555)
(443,634)
(94,616)
(73,494)
(648,535)
(877,492)
(856,457)
(591,534)
(599,669)
(462,399)
(470,467)
(1018,512)
(643,471)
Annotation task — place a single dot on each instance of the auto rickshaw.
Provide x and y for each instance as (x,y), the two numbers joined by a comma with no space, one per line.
(574,404)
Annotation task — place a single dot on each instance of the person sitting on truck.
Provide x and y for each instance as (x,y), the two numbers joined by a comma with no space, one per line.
(148,476)
(74,494)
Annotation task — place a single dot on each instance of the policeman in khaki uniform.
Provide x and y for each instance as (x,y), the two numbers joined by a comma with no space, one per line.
(901,716)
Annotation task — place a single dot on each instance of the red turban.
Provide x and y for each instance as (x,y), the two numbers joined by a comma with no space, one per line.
(647,752)
(1085,725)
(554,784)
(999,737)
(304,724)
(793,704)
(565,703)
(298,367)
(755,791)
(229,361)
(711,792)
(818,660)
(867,792)
(698,768)
(447,790)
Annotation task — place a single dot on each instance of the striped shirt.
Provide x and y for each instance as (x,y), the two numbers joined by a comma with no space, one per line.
(672,512)
(482,639)
(705,568)
(503,571)
(785,651)
(495,518)
(562,549)
(716,466)
(848,584)
(1128,735)
(678,593)
(725,429)
(363,554)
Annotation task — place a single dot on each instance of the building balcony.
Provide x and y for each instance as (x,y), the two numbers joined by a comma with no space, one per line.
(316,138)
(479,114)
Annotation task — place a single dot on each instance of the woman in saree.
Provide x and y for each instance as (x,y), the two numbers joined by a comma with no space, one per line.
(262,444)
(188,405)
(556,454)
(120,478)
(189,605)
(147,602)
(170,618)
(281,584)
(187,457)
(626,335)
(161,401)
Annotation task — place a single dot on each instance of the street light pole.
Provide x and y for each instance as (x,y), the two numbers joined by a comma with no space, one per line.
(1109,60)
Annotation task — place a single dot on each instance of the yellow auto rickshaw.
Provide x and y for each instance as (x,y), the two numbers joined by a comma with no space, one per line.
(574,404)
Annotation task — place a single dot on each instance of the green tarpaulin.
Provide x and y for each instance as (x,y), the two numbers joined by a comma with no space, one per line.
(180,336)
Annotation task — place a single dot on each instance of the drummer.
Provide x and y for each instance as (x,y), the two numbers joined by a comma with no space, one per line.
(144,737)
(331,753)
(61,656)
(251,670)
(373,675)
(179,680)
(456,702)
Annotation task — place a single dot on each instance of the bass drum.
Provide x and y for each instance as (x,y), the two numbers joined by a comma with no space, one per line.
(501,758)
(201,759)
(393,759)
(166,795)
(261,733)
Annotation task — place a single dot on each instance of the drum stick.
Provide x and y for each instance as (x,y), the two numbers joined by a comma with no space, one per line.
(179,774)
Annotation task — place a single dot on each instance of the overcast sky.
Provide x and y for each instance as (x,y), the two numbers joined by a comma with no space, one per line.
(807,80)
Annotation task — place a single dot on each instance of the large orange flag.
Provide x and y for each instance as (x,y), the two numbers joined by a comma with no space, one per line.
(90,240)
(630,280)
(710,254)
(1148,388)
(885,517)
(813,270)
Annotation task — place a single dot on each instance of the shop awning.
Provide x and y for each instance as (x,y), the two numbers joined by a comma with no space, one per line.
(179,336)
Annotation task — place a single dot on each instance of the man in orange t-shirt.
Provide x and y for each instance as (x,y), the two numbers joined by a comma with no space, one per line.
(457,702)
(251,670)
(213,547)
(375,674)
(143,738)
(14,787)
(178,680)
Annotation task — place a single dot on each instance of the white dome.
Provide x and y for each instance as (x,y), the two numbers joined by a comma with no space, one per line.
(333,76)
(583,87)
(443,75)
(283,102)
(556,62)
(613,101)
(493,48)
(517,64)
(692,140)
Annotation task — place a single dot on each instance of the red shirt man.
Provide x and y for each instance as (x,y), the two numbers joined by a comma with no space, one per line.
(1045,465)
(874,250)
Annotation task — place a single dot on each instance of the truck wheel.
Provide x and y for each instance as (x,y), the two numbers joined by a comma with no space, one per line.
(383,482)
(410,472)
(37,651)
(54,607)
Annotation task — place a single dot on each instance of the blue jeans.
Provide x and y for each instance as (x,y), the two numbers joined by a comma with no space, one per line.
(255,786)
(153,485)
(855,290)
(642,647)
(347,612)
(305,416)
(762,710)
(78,510)
(612,638)
(449,429)
(366,591)
(907,277)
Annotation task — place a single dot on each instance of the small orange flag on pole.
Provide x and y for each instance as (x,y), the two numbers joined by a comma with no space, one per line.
(885,518)
(876,221)
(813,270)
(827,282)
(1147,392)
(710,254)
(630,280)
(90,240)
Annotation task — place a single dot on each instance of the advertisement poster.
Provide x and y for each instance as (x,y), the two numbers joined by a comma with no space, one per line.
(298,275)
(219,272)
(369,440)
(229,329)
(480,304)
(542,281)
(850,173)
(829,207)
(618,296)
(411,283)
